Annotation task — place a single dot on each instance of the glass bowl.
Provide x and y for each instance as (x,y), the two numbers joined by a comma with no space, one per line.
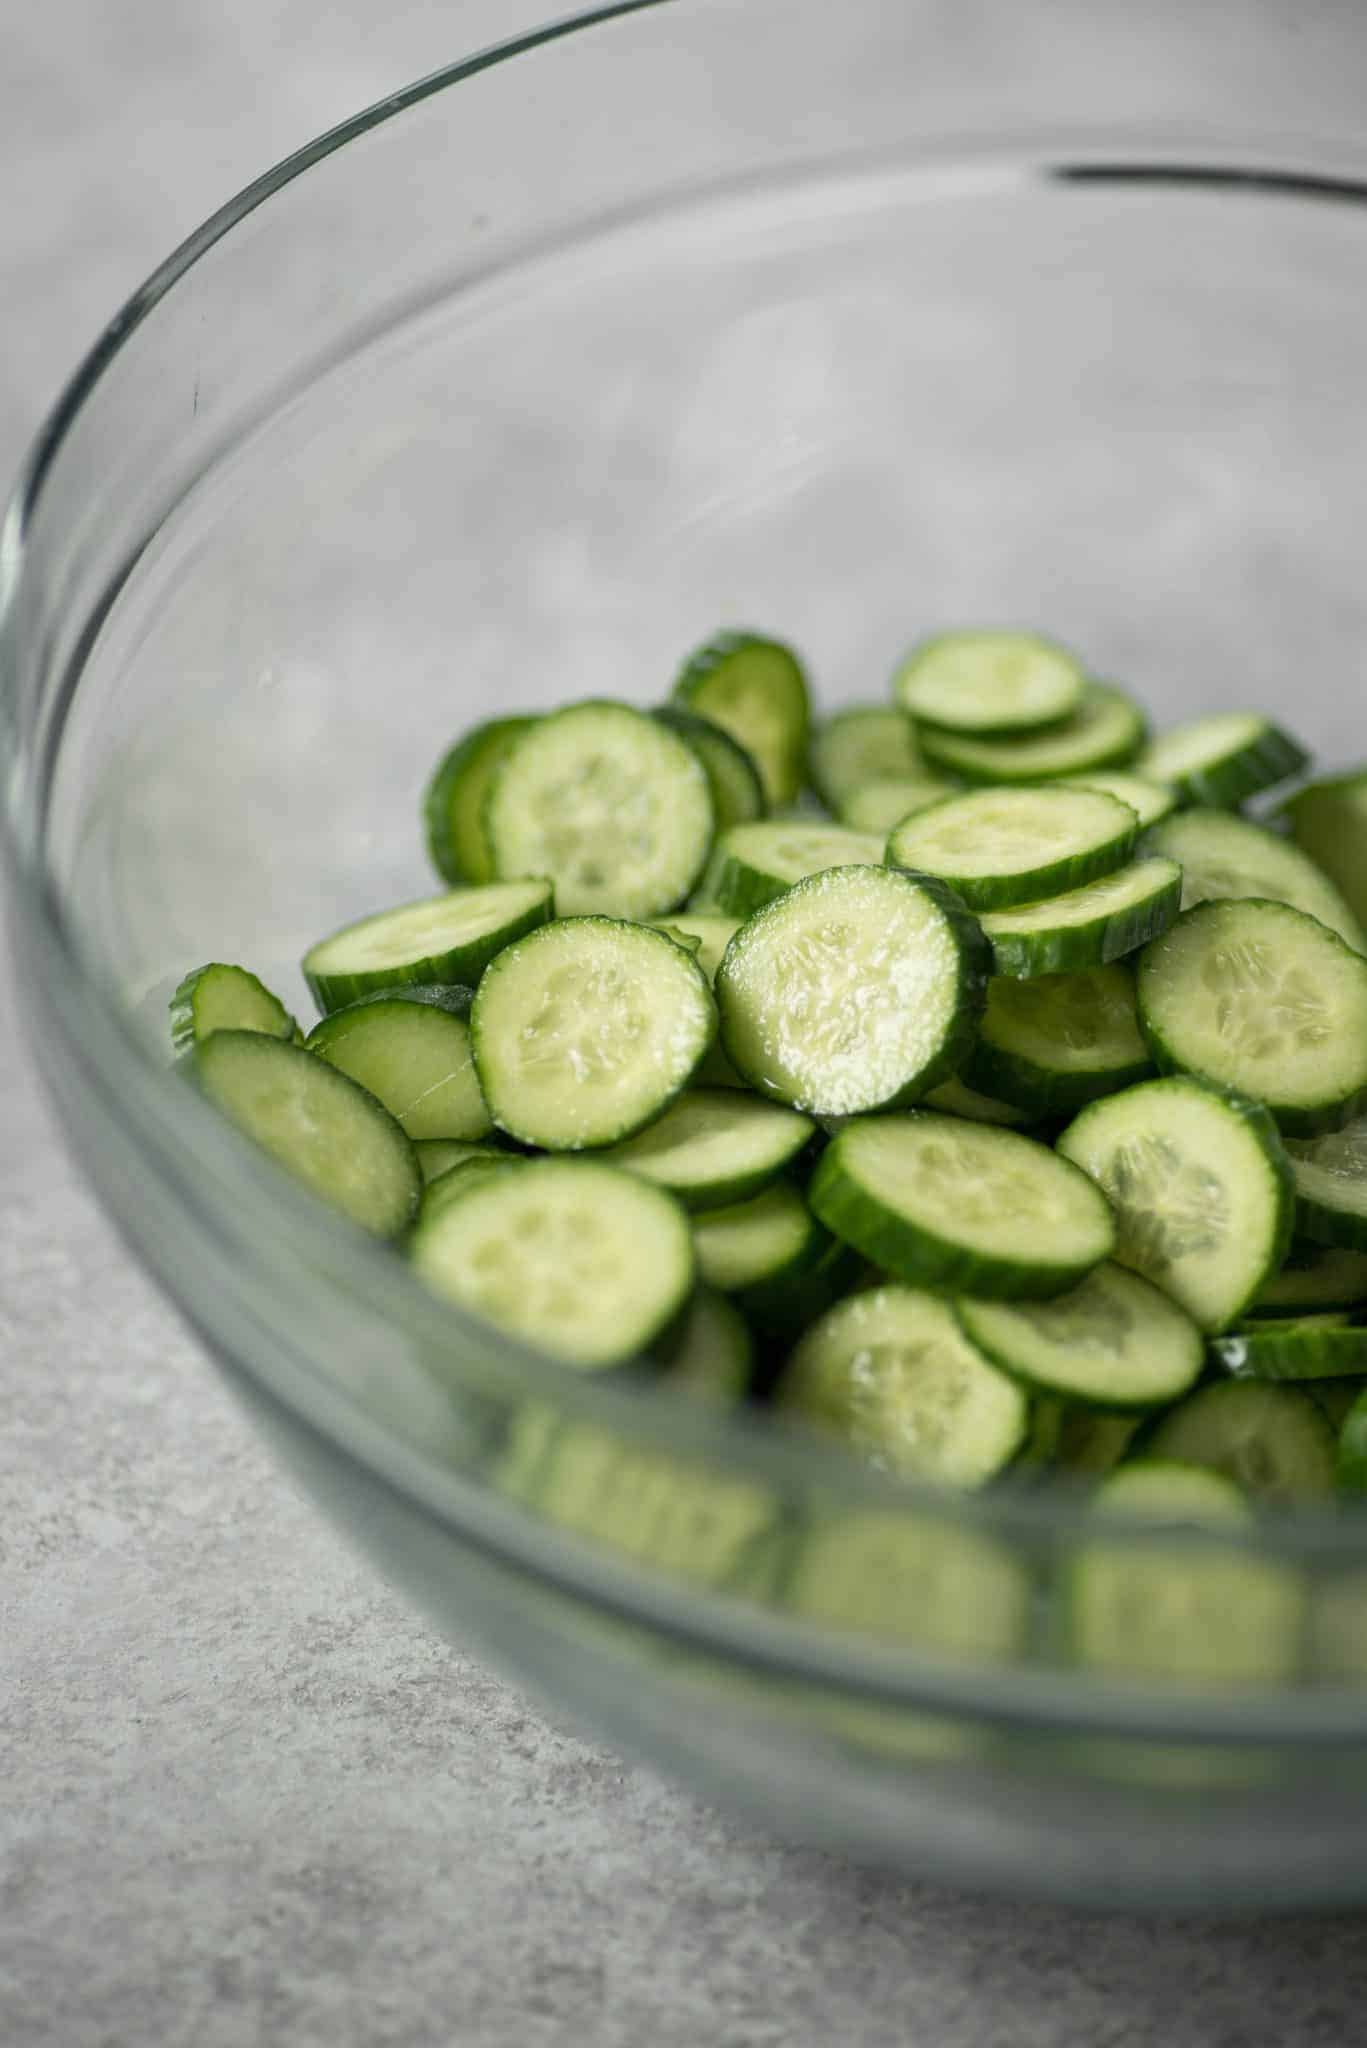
(848,323)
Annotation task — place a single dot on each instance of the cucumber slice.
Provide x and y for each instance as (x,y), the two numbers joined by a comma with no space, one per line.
(858,745)
(714,1358)
(481,1159)
(1308,1348)
(442,941)
(1094,1440)
(890,1373)
(437,1155)
(656,1510)
(1219,761)
(1106,731)
(715,1146)
(1265,1000)
(586,1030)
(1331,1186)
(1087,927)
(1328,821)
(952,1591)
(1181,1611)
(1351,1456)
(1042,1435)
(1223,856)
(773,1237)
(221,997)
(316,1123)
(453,806)
(608,804)
(753,864)
(989,683)
(756,690)
(1201,1190)
(411,1048)
(1113,1342)
(879,805)
(1314,1281)
(1270,1440)
(858,989)
(732,777)
(1151,802)
(1054,1044)
(962,1207)
(953,1098)
(1174,1494)
(1000,847)
(584,1260)
(713,932)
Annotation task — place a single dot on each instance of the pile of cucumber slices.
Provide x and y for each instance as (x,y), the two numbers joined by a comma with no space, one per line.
(965,1076)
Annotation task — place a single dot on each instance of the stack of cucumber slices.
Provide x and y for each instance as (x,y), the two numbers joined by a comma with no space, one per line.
(962,1076)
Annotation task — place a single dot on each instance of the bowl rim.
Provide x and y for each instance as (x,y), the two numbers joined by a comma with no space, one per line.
(169,1126)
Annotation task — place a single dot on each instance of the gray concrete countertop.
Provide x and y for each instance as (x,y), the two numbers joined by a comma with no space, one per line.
(248,1798)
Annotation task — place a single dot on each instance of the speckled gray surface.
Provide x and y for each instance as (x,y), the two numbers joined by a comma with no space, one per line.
(248,1798)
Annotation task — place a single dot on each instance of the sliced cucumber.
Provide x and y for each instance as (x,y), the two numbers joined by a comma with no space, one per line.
(656,1510)
(1270,1440)
(442,941)
(1308,1348)
(1054,1044)
(1314,1281)
(453,807)
(857,745)
(481,1159)
(437,1155)
(732,777)
(714,1146)
(753,864)
(952,1591)
(1263,999)
(713,932)
(1181,1611)
(1328,821)
(608,804)
(1331,1186)
(1114,1342)
(961,1207)
(1094,1440)
(1087,927)
(890,1372)
(584,1260)
(1106,731)
(878,806)
(858,989)
(714,1357)
(221,997)
(1200,1187)
(954,1098)
(1000,847)
(315,1122)
(411,1048)
(756,690)
(1221,760)
(989,683)
(587,1030)
(1151,802)
(1225,856)
(772,1237)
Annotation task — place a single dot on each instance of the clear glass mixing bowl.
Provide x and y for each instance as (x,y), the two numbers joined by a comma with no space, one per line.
(844,321)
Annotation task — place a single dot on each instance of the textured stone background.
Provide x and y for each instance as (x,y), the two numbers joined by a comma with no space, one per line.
(247,1798)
